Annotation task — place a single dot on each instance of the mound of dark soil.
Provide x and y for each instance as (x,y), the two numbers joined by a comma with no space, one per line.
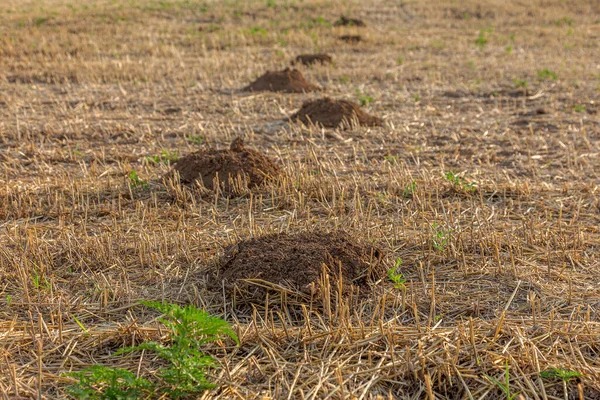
(345,21)
(331,113)
(237,168)
(351,38)
(296,261)
(310,59)
(288,80)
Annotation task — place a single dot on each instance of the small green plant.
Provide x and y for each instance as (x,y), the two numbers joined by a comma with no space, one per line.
(460,182)
(195,139)
(9,299)
(102,382)
(39,282)
(165,156)
(321,21)
(191,329)
(560,373)
(40,21)
(363,98)
(409,189)
(184,374)
(520,83)
(344,79)
(395,276)
(391,159)
(135,181)
(481,40)
(258,31)
(416,97)
(440,236)
(579,109)
(564,21)
(271,3)
(504,386)
(400,60)
(547,74)
(509,49)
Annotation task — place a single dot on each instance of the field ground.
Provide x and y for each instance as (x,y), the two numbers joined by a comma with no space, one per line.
(501,264)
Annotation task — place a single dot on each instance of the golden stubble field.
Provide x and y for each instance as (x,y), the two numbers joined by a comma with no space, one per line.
(501,259)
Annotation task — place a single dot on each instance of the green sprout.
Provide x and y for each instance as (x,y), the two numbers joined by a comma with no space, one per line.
(395,276)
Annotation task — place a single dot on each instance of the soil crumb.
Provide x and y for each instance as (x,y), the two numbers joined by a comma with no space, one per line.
(331,113)
(310,59)
(345,21)
(296,261)
(288,81)
(237,169)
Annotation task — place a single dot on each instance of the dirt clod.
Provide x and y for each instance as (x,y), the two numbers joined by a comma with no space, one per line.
(237,168)
(295,261)
(331,113)
(310,59)
(288,80)
(345,21)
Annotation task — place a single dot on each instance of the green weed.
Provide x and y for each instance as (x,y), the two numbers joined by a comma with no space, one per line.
(135,181)
(191,329)
(391,159)
(40,21)
(460,182)
(440,236)
(184,374)
(504,386)
(165,156)
(579,109)
(564,21)
(520,83)
(560,373)
(258,31)
(547,74)
(102,382)
(409,189)
(363,98)
(395,276)
(481,40)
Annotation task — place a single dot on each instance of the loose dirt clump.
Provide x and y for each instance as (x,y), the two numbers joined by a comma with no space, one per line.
(351,38)
(345,21)
(310,59)
(236,169)
(298,261)
(331,113)
(288,80)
